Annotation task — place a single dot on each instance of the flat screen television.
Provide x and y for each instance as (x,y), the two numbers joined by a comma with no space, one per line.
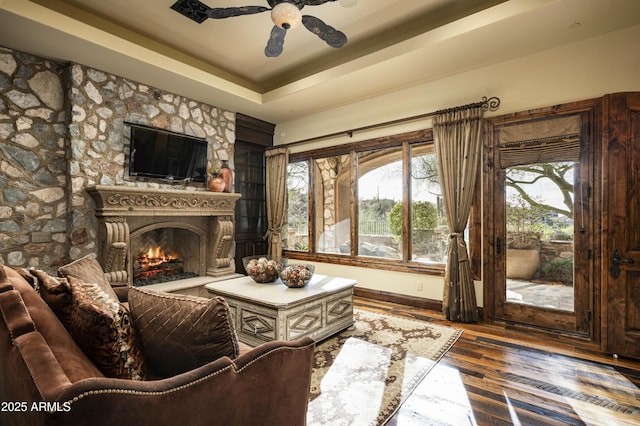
(162,154)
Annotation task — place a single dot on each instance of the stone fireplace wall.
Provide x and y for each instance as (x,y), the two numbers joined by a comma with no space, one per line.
(61,131)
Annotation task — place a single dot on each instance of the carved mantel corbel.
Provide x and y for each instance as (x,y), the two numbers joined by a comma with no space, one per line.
(221,245)
(114,236)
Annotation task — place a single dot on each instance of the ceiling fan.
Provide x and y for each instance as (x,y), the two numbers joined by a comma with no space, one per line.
(285,14)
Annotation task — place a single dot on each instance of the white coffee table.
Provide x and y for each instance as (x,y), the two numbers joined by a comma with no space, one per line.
(272,311)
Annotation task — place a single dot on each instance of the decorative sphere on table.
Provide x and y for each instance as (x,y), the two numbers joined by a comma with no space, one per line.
(263,269)
(296,276)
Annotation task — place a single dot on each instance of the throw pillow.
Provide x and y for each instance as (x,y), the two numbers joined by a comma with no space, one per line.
(103,329)
(179,332)
(57,294)
(87,269)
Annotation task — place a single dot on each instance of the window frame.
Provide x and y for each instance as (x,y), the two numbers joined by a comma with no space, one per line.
(404,141)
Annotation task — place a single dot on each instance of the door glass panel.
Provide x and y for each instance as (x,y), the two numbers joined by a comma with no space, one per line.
(540,235)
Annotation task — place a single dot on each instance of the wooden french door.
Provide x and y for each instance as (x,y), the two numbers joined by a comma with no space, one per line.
(503,297)
(621,224)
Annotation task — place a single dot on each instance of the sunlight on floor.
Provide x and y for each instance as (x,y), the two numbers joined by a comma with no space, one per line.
(515,421)
(597,405)
(443,392)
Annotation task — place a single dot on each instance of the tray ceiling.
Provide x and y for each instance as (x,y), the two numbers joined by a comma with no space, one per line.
(392,44)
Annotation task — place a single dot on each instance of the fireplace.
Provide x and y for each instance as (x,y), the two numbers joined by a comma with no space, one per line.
(167,253)
(148,236)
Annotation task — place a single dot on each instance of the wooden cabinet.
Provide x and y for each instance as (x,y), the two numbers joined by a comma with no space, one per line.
(253,137)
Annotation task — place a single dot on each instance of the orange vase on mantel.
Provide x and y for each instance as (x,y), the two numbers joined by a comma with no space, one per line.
(225,173)
(215,184)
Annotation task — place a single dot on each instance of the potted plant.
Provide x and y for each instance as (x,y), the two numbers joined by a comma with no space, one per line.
(524,228)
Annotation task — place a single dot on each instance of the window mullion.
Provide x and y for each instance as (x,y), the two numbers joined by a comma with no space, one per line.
(406,202)
(354,203)
(311,210)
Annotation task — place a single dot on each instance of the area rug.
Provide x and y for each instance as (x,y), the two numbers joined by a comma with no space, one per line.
(364,374)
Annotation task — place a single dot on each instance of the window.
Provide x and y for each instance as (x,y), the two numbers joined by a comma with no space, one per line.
(332,192)
(429,230)
(373,203)
(298,192)
(380,190)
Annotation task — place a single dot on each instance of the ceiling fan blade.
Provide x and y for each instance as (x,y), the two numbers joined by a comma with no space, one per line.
(333,37)
(228,12)
(276,42)
(316,2)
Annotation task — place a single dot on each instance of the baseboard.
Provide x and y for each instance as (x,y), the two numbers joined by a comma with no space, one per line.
(403,299)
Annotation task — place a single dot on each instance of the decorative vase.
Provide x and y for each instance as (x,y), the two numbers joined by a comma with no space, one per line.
(225,173)
(215,184)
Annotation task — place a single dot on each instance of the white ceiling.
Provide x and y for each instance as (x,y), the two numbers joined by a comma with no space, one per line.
(393,44)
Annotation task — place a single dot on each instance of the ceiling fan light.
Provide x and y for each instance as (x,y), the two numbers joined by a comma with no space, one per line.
(286,15)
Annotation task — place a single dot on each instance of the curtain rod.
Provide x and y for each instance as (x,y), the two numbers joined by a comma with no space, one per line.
(491,104)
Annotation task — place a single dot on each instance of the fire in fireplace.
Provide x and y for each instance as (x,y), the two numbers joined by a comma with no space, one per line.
(155,266)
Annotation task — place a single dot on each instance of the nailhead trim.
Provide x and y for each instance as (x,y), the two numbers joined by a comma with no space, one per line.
(185,386)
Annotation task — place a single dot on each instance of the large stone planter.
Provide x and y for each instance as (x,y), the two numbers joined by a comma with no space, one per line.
(522,264)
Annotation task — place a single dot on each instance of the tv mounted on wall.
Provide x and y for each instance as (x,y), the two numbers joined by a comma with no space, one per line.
(162,154)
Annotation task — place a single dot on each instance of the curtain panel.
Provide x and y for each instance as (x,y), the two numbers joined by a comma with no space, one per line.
(276,199)
(457,137)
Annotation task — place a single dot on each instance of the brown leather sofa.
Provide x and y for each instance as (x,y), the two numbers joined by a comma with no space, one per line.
(46,379)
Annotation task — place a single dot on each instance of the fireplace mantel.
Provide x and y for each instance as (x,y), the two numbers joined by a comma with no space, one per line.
(133,201)
(124,212)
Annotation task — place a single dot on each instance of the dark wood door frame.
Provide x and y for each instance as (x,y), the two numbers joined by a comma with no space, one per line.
(621,225)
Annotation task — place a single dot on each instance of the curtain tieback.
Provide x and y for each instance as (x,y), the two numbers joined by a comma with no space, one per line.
(463,255)
(273,233)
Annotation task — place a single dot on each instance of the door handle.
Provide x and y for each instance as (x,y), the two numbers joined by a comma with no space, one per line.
(616,260)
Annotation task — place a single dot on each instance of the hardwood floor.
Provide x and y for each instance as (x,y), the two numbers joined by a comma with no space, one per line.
(495,376)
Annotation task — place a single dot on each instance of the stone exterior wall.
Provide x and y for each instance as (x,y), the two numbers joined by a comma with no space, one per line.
(62,129)
(559,253)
